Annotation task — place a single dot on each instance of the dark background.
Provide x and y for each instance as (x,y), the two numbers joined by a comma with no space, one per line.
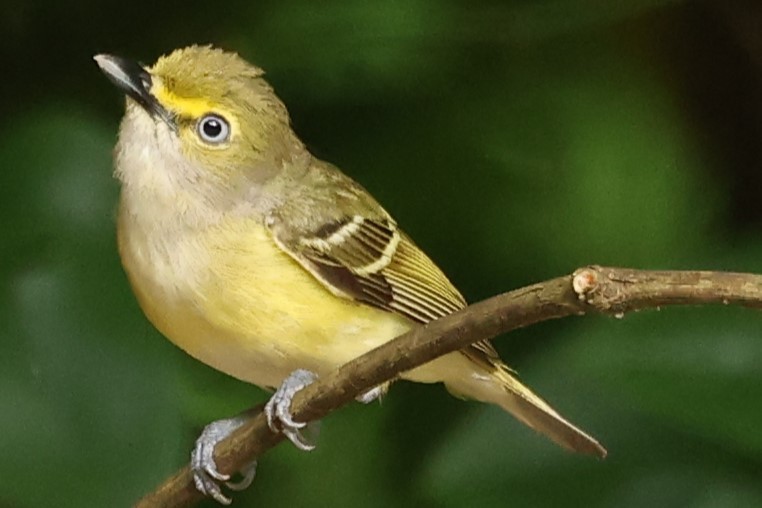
(515,141)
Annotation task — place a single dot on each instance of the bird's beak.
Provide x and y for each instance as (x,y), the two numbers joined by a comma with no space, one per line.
(135,81)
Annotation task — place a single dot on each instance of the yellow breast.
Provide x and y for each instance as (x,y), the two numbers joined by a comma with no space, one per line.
(230,297)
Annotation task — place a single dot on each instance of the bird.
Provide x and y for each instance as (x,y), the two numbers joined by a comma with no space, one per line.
(268,264)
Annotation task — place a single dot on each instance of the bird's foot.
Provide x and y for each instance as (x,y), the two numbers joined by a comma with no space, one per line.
(206,477)
(278,408)
(373,394)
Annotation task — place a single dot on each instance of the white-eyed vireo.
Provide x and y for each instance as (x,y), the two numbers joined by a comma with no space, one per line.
(261,260)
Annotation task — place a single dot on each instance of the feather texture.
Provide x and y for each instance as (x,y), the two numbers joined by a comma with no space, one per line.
(365,257)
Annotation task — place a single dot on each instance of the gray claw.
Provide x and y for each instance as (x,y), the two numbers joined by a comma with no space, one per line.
(206,477)
(248,476)
(372,394)
(278,408)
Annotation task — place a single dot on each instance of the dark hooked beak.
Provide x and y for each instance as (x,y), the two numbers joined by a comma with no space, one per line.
(135,81)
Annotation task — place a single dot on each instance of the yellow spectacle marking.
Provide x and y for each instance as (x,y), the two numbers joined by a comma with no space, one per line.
(183,106)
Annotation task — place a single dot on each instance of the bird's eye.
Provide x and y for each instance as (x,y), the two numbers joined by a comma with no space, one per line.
(213,129)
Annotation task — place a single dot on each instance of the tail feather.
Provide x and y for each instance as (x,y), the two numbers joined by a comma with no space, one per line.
(530,409)
(496,385)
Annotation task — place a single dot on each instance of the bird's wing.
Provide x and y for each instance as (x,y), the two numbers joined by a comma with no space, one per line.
(366,257)
(371,261)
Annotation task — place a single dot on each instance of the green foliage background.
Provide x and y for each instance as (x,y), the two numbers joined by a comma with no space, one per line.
(514,140)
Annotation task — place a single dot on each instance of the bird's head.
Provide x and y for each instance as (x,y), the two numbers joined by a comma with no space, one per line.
(199,117)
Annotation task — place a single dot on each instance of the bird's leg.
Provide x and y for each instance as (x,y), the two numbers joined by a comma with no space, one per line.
(278,412)
(206,477)
(278,408)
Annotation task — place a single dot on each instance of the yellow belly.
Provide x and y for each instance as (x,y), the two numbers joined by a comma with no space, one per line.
(230,297)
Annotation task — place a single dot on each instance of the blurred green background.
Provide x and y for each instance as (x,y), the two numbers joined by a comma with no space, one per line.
(514,140)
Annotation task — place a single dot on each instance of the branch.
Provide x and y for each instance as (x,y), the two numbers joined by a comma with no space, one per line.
(604,290)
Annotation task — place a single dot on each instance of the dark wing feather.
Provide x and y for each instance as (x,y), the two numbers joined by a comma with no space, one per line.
(372,261)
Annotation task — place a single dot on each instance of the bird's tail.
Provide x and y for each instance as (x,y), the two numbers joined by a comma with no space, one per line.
(465,378)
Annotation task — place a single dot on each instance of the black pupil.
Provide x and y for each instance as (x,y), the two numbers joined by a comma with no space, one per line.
(212,127)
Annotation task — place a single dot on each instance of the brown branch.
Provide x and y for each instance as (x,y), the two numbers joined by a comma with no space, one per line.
(597,289)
